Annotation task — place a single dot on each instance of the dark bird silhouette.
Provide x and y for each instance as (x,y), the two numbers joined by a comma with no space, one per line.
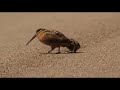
(55,39)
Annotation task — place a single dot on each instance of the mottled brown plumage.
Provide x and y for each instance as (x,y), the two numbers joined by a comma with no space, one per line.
(55,39)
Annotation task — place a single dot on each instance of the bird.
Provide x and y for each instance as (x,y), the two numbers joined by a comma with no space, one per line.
(55,39)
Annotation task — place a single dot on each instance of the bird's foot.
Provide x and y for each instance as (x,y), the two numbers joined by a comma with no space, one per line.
(72,52)
(58,52)
(48,52)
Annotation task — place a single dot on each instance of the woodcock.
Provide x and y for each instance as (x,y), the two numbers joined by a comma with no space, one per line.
(55,39)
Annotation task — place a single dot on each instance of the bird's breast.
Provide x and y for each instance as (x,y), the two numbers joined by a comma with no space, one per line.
(47,39)
(42,37)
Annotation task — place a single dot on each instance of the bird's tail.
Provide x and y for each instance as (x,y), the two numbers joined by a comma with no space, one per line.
(73,45)
(66,42)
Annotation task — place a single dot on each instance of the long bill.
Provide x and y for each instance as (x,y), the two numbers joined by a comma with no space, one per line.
(31,39)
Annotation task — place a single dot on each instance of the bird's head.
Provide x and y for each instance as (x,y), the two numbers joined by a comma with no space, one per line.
(40,29)
(37,32)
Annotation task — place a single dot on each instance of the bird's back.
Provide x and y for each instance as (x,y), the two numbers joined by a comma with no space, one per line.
(53,38)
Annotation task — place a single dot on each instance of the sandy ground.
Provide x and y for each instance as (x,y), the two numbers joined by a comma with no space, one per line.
(98,34)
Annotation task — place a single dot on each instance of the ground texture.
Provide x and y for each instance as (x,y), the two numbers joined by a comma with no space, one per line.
(98,34)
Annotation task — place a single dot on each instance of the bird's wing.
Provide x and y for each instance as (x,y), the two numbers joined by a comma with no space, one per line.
(58,34)
(55,37)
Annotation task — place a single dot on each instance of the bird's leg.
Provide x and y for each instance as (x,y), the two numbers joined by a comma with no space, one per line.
(52,48)
(58,50)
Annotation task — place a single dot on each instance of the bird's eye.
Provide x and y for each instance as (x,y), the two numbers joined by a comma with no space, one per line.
(37,30)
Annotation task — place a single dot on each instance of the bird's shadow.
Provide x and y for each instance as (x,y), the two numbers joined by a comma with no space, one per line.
(62,53)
